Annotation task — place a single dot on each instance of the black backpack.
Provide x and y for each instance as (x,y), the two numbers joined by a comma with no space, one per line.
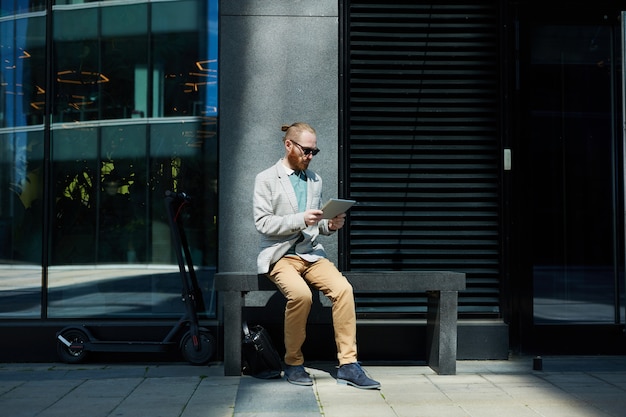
(260,358)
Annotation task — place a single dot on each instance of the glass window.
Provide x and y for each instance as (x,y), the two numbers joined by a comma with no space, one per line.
(101,73)
(181,66)
(574,149)
(124,38)
(134,114)
(22,74)
(21,219)
(122,205)
(183,158)
(131,167)
(74,180)
(9,7)
(77,70)
(107,74)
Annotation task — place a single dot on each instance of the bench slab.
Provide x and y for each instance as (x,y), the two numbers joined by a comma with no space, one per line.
(442,288)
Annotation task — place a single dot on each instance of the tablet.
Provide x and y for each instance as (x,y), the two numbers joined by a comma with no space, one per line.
(336,206)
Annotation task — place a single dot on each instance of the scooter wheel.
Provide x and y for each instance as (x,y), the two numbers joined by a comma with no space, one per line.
(70,354)
(201,354)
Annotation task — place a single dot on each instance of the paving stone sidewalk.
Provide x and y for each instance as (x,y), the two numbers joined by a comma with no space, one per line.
(567,386)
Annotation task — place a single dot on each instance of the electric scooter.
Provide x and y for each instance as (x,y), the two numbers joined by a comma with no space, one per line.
(197,344)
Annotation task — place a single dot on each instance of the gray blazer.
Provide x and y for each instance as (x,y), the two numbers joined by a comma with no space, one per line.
(277,219)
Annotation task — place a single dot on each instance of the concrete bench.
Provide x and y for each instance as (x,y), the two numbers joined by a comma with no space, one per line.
(442,288)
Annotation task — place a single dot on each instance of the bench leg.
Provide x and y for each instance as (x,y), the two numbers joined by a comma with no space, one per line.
(442,331)
(233,303)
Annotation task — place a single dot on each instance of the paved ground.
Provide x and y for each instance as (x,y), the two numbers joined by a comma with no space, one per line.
(567,386)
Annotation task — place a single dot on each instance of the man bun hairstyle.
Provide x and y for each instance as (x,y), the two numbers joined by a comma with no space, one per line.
(294,130)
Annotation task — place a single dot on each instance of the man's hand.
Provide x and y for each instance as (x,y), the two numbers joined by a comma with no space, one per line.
(337,222)
(312,217)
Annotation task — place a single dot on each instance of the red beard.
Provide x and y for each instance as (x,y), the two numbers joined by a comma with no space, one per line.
(297,161)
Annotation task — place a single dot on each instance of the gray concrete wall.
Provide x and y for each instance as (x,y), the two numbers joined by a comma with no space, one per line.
(278,64)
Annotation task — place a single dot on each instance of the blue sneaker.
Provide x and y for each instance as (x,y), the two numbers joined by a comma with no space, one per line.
(297,375)
(353,374)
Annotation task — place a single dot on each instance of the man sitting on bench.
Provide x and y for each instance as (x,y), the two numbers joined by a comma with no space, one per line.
(287,201)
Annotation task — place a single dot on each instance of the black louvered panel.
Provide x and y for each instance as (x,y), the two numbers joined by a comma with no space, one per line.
(423,146)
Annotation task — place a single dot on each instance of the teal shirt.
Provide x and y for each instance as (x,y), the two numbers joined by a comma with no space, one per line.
(298,180)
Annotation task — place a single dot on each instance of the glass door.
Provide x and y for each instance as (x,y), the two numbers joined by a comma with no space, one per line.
(576,174)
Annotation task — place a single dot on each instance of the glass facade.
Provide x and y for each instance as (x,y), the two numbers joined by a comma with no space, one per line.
(576,172)
(103,108)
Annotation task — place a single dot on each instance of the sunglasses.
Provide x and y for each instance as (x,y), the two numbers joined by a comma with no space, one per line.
(306,151)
